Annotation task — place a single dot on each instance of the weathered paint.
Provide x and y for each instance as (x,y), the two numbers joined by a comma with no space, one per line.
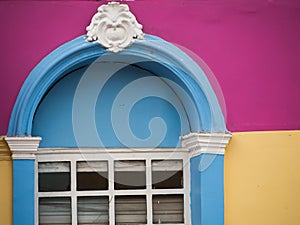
(262,178)
(6,184)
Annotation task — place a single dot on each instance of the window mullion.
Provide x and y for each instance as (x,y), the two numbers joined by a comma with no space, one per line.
(149,191)
(73,191)
(111,191)
(186,180)
(36,191)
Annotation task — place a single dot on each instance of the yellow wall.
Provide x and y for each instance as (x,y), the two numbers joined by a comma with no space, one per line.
(5,184)
(262,178)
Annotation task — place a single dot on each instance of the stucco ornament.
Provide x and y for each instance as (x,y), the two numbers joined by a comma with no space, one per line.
(114,27)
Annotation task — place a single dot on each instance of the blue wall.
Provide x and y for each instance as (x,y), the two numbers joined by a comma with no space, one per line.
(195,191)
(156,117)
(207,189)
(23,192)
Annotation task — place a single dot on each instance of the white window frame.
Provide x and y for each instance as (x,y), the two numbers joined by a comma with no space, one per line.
(109,155)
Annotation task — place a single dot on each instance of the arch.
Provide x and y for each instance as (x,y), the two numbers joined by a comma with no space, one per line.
(79,52)
(169,68)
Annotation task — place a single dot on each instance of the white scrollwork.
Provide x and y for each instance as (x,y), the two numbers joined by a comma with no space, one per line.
(114,27)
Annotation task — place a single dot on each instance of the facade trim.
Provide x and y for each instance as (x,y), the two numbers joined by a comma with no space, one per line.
(199,143)
(114,27)
(23,147)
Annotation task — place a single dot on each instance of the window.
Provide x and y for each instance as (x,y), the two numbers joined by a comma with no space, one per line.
(112,187)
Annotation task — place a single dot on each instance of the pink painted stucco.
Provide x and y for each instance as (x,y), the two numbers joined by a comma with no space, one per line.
(252,47)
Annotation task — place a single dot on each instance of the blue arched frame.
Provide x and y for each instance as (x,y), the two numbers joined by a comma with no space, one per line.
(207,198)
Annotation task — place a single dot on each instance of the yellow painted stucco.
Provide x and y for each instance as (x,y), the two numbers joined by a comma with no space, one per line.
(262,178)
(5,184)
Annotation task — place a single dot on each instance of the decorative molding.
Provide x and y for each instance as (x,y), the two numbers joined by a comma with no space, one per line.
(103,151)
(5,154)
(114,27)
(198,143)
(23,147)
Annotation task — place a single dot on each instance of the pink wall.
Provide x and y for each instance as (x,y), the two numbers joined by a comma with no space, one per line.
(251,46)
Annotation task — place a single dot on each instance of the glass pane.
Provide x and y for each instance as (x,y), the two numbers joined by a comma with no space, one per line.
(92,176)
(55,211)
(130,210)
(92,210)
(168,209)
(130,174)
(54,176)
(167,174)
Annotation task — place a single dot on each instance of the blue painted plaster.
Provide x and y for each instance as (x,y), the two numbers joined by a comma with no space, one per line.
(23,192)
(195,191)
(53,118)
(207,190)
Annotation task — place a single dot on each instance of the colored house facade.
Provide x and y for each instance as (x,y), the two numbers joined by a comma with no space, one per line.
(215,86)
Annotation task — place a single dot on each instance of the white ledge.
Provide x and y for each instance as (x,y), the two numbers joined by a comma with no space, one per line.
(23,147)
(198,143)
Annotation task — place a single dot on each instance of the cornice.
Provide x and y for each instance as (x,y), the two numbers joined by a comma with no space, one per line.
(23,147)
(213,143)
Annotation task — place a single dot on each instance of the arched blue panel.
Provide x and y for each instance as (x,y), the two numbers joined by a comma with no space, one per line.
(78,53)
(53,117)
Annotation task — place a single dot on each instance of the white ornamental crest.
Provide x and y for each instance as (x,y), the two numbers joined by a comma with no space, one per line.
(114,27)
